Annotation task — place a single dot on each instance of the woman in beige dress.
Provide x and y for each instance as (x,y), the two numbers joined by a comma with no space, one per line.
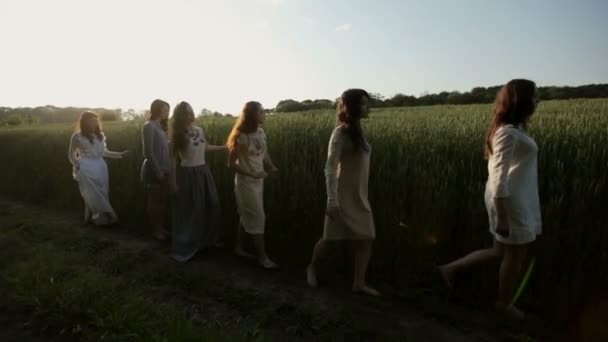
(248,158)
(511,195)
(348,215)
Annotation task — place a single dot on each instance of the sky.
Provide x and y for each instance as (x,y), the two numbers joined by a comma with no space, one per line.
(218,54)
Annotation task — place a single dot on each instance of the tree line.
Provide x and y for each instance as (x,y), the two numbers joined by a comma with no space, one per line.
(52,114)
(477,95)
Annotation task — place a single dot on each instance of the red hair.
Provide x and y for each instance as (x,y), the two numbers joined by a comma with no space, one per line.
(96,132)
(246,123)
(515,103)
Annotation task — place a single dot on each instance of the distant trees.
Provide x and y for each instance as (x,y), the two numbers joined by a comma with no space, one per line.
(295,106)
(476,95)
(209,112)
(52,114)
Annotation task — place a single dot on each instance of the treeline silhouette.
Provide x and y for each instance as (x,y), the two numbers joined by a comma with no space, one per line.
(476,95)
(51,114)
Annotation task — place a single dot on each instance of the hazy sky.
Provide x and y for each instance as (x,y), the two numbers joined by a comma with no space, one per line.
(220,53)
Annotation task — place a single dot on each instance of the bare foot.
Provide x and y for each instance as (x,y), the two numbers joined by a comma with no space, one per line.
(311,276)
(368,290)
(446,276)
(160,236)
(240,252)
(268,264)
(511,312)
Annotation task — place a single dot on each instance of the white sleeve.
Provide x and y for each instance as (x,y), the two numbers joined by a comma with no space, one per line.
(110,154)
(503,145)
(334,154)
(73,150)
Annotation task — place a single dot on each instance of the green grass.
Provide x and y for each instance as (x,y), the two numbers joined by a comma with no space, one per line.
(54,282)
(427,170)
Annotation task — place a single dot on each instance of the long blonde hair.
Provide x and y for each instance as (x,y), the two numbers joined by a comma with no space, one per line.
(181,119)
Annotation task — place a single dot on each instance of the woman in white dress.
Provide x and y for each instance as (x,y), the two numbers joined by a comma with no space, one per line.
(248,157)
(348,214)
(86,153)
(511,194)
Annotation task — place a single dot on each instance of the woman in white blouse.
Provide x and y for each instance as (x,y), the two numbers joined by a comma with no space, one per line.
(511,195)
(86,152)
(196,206)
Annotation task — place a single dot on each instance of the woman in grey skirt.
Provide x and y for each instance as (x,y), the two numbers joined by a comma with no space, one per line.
(196,209)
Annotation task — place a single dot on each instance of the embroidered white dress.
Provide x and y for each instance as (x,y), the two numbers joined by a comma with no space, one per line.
(249,192)
(91,172)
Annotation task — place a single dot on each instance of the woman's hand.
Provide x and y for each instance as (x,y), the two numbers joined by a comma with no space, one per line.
(503,228)
(333,212)
(261,175)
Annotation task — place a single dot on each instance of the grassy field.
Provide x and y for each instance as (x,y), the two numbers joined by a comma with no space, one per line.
(61,282)
(427,171)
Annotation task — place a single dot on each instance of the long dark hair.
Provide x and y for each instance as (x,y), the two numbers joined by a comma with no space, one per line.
(246,123)
(349,116)
(515,103)
(181,119)
(96,132)
(156,109)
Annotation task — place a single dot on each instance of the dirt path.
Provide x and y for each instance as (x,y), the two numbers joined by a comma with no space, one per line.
(220,290)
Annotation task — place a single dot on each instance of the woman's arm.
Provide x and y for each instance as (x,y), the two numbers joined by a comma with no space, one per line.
(173,175)
(334,154)
(232,161)
(111,154)
(211,148)
(268,161)
(73,151)
(148,141)
(503,145)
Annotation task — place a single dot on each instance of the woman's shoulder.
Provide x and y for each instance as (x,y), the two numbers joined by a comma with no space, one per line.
(339,130)
(507,129)
(506,133)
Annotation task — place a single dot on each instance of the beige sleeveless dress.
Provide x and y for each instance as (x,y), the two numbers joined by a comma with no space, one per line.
(249,191)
